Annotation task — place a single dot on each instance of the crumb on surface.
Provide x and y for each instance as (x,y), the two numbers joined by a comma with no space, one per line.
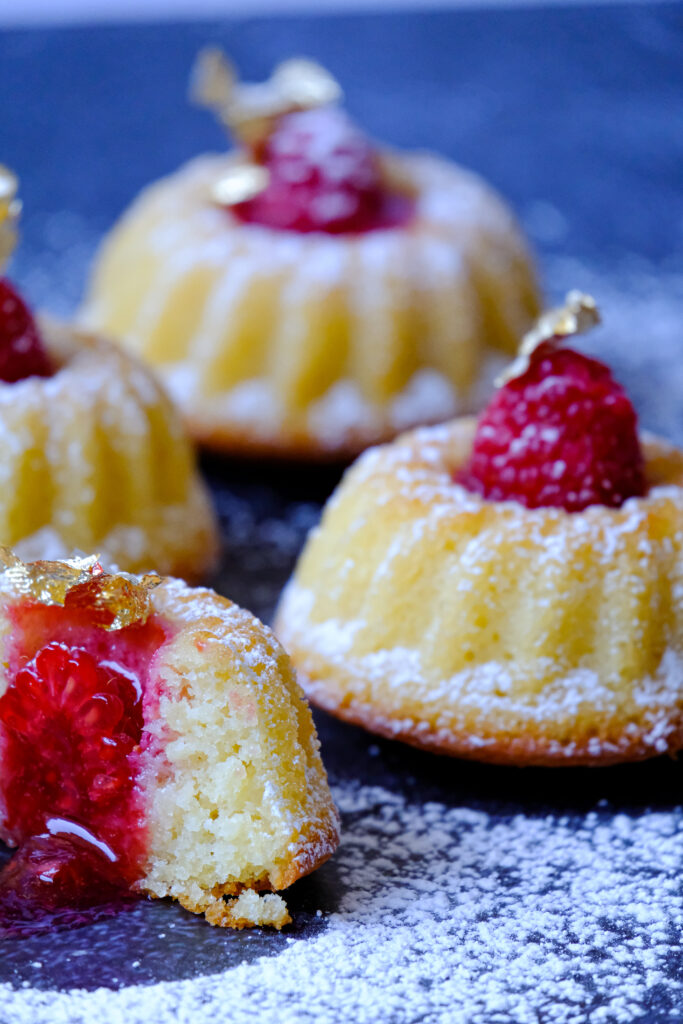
(250,909)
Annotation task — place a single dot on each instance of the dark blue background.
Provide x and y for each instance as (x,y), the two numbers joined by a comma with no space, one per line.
(580,107)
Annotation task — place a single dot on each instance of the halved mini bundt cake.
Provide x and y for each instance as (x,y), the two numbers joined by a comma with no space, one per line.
(153,739)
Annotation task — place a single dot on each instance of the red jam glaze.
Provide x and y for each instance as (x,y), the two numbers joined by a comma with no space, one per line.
(71,735)
(21,349)
(324,176)
(58,881)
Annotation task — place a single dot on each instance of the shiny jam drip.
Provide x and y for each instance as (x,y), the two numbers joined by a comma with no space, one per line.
(59,880)
(324,175)
(71,733)
(22,353)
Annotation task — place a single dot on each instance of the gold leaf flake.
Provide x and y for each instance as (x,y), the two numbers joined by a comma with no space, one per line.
(213,79)
(578,315)
(248,109)
(115,600)
(10,208)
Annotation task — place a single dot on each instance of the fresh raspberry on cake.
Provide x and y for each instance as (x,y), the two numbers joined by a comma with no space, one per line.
(563,433)
(21,350)
(323,175)
(153,741)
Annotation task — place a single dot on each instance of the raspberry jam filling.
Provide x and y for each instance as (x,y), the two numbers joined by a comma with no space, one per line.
(324,175)
(60,880)
(71,739)
(22,353)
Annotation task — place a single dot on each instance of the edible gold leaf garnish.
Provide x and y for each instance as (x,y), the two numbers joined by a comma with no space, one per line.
(10,208)
(213,79)
(115,600)
(578,315)
(248,109)
(240,183)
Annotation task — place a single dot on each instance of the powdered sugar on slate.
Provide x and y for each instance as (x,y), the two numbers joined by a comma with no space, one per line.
(450,915)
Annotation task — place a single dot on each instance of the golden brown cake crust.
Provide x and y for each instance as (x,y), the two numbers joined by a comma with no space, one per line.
(234,442)
(530,750)
(488,631)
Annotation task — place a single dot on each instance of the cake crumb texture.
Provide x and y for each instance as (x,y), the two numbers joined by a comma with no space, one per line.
(249,910)
(232,778)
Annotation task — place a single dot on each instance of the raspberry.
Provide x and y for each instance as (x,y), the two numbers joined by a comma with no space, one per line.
(69,725)
(563,434)
(324,176)
(71,735)
(21,349)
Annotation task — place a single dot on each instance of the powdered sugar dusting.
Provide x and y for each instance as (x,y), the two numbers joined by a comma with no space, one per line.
(450,915)
(490,689)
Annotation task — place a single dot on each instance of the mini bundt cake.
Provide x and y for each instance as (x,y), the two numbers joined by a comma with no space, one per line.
(308,293)
(153,740)
(92,454)
(508,590)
